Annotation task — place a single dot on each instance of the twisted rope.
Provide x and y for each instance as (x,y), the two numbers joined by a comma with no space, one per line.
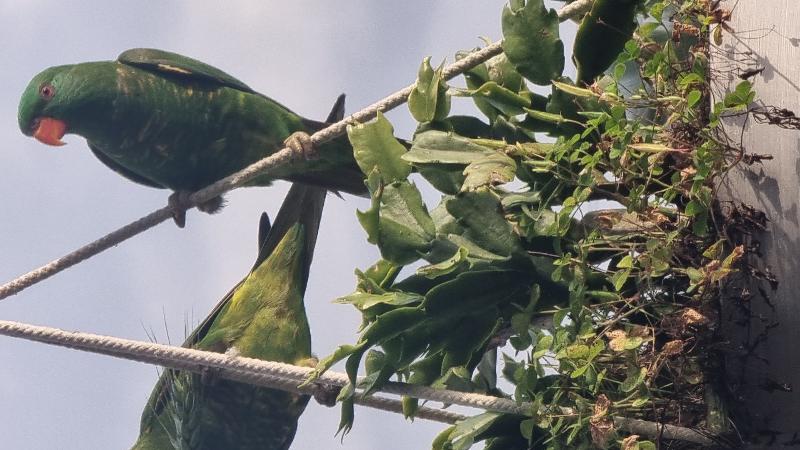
(288,377)
(238,179)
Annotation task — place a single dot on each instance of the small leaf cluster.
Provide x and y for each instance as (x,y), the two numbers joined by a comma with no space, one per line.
(572,253)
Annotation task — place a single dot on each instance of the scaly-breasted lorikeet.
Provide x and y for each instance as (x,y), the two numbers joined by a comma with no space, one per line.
(262,317)
(168,121)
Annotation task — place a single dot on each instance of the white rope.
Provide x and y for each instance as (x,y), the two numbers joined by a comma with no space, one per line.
(260,167)
(288,377)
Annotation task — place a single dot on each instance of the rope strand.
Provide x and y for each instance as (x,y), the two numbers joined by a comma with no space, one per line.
(288,377)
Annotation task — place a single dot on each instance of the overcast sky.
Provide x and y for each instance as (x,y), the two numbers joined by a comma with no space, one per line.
(301,53)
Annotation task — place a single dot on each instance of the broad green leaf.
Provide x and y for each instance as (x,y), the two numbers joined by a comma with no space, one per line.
(462,436)
(531,41)
(504,100)
(438,147)
(447,266)
(480,214)
(374,146)
(489,171)
(474,291)
(602,36)
(370,219)
(406,229)
(634,378)
(389,325)
(429,100)
(475,251)
(446,178)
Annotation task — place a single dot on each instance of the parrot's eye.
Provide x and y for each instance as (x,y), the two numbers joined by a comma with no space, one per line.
(47,91)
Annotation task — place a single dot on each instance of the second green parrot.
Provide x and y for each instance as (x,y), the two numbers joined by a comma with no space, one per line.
(168,121)
(262,317)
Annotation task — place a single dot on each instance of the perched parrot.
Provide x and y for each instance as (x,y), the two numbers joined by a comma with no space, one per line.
(168,121)
(262,317)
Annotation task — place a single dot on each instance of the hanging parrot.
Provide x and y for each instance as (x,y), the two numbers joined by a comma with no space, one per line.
(168,121)
(262,317)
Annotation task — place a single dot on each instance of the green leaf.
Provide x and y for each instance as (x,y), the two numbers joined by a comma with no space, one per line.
(374,146)
(405,229)
(363,300)
(381,274)
(574,90)
(543,346)
(370,219)
(693,97)
(531,41)
(635,377)
(445,267)
(619,278)
(550,117)
(474,291)
(341,352)
(504,100)
(602,36)
(464,433)
(491,170)
(474,251)
(480,215)
(391,324)
(741,97)
(429,100)
(438,147)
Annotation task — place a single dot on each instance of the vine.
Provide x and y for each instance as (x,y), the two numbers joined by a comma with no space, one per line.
(578,239)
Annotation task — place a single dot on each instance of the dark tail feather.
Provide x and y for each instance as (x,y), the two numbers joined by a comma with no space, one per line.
(340,179)
(337,112)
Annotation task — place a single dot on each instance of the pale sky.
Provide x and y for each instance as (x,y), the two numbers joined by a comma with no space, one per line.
(301,53)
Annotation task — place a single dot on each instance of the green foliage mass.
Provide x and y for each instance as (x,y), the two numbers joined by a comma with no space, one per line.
(588,313)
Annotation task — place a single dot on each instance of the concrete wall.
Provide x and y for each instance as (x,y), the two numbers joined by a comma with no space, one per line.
(764,354)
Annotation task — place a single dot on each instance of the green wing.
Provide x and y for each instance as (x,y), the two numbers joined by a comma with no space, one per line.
(125,172)
(179,66)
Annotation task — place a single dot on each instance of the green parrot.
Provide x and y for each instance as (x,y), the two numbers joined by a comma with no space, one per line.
(168,121)
(261,317)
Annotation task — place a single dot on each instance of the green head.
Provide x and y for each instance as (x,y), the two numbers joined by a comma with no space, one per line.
(56,99)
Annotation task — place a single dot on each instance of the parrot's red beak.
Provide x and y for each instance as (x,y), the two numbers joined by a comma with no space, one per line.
(49,131)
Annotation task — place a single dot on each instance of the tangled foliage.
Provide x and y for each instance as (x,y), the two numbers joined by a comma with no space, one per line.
(587,257)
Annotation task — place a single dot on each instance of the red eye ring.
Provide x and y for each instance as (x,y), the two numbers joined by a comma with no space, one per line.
(47,91)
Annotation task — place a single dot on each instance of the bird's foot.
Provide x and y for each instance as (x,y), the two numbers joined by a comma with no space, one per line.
(212,206)
(325,394)
(179,202)
(209,376)
(301,145)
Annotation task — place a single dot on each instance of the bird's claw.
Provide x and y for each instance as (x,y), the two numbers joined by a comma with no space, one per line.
(326,394)
(301,145)
(212,206)
(209,376)
(179,202)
